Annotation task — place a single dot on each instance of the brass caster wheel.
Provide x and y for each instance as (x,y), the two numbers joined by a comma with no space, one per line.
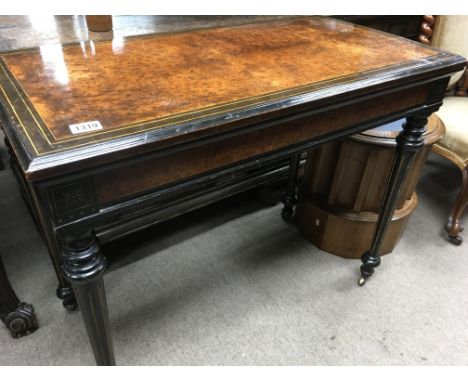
(361,281)
(457,240)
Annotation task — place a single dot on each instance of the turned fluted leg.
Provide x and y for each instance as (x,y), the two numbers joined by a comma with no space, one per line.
(409,142)
(84,266)
(18,316)
(289,200)
(454,225)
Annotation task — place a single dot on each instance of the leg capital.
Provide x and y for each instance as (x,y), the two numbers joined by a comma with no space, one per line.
(82,260)
(411,137)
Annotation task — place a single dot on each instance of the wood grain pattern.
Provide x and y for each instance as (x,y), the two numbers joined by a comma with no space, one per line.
(158,91)
(123,182)
(128,81)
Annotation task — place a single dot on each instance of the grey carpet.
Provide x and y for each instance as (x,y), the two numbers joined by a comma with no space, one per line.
(234,285)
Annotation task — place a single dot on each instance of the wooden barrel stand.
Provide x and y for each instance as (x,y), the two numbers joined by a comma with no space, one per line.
(343,186)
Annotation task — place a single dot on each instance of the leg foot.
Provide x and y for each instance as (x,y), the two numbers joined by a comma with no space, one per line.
(289,200)
(450,226)
(287,213)
(457,240)
(369,263)
(22,321)
(18,316)
(68,298)
(455,225)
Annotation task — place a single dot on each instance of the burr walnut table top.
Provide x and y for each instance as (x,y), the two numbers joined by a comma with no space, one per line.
(157,90)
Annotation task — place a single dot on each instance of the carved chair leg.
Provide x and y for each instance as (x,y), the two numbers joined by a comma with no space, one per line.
(454,225)
(409,142)
(2,166)
(289,200)
(18,316)
(64,290)
(84,266)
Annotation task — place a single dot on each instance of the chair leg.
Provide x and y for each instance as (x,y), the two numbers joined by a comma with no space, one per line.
(19,317)
(454,225)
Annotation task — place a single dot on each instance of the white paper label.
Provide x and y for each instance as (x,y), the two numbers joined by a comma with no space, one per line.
(85,127)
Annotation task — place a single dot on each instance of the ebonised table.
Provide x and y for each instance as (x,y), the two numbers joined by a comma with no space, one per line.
(105,133)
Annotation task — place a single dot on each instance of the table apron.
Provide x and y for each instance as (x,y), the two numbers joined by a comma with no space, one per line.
(116,191)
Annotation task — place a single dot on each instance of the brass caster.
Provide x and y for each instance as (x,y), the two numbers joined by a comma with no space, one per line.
(361,281)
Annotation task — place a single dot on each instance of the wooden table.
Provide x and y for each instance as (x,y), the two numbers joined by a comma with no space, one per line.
(105,133)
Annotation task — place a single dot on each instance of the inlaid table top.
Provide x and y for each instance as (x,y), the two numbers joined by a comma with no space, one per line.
(73,102)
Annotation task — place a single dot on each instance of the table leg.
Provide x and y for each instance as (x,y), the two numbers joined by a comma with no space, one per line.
(289,200)
(409,142)
(18,316)
(84,266)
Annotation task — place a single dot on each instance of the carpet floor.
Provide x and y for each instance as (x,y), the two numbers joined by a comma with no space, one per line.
(232,284)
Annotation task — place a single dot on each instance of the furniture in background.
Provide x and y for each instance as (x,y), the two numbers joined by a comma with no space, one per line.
(409,26)
(18,317)
(99,23)
(344,184)
(242,98)
(426,29)
(451,33)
